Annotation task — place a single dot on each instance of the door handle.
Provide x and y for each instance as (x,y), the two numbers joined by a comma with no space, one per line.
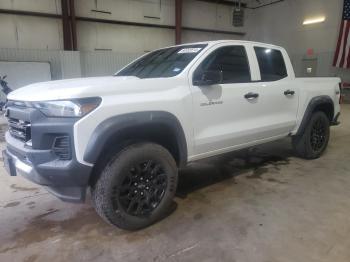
(289,92)
(251,96)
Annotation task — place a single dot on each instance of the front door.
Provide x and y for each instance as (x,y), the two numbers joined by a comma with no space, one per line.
(227,114)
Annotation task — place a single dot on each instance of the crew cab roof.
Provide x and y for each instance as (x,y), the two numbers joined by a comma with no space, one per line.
(228,41)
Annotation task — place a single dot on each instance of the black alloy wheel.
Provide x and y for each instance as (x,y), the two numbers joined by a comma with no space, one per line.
(318,135)
(314,140)
(142,189)
(136,187)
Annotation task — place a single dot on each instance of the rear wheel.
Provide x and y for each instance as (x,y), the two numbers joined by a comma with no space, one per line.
(313,142)
(136,188)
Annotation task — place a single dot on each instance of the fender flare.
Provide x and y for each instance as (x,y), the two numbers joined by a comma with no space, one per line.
(114,126)
(314,102)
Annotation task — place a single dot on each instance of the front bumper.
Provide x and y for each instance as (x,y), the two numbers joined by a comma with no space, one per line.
(41,161)
(65,179)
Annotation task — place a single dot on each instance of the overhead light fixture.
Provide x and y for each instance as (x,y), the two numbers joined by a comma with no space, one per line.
(314,20)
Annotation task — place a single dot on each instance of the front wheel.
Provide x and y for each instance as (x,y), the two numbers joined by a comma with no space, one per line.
(313,142)
(136,188)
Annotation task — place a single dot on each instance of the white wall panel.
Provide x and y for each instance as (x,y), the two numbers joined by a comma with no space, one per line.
(128,10)
(70,64)
(104,63)
(22,55)
(46,6)
(209,16)
(151,8)
(121,38)
(39,33)
(8,31)
(29,72)
(203,17)
(193,36)
(30,32)
(44,33)
(138,39)
(6,4)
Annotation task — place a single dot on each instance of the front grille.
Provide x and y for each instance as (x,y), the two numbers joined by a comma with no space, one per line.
(19,129)
(61,147)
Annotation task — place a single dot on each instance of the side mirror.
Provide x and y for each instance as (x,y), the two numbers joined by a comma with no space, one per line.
(208,78)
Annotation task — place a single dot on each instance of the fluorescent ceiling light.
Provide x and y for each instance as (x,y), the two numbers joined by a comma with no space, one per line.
(314,20)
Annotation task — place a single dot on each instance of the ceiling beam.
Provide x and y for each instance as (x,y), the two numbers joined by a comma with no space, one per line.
(268,4)
(225,2)
(29,13)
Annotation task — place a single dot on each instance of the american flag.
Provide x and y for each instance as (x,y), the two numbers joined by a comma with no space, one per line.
(342,54)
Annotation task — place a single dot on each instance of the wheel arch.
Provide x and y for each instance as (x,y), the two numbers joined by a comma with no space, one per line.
(155,126)
(319,103)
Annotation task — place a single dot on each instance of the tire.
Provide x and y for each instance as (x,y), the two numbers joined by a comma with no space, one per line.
(313,142)
(136,187)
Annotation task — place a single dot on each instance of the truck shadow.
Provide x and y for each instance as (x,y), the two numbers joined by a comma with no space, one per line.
(255,161)
(252,163)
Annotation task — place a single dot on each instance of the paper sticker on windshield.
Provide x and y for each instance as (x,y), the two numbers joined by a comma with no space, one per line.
(189,50)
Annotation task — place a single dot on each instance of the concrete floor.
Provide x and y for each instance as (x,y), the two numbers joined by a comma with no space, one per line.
(261,205)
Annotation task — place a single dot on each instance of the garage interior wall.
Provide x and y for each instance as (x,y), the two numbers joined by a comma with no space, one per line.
(282,24)
(196,14)
(104,48)
(45,33)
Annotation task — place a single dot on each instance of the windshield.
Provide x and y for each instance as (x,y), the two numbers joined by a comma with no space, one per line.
(166,62)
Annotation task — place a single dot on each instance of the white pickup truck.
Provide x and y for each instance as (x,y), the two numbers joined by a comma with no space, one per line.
(125,136)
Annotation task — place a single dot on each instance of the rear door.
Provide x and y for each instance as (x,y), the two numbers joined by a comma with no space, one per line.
(278,92)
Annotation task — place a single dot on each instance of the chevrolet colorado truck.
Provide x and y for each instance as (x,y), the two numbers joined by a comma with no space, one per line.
(125,136)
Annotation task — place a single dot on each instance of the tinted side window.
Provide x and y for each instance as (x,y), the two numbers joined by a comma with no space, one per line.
(271,63)
(231,60)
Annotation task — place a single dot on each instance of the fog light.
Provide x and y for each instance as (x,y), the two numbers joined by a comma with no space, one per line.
(61,147)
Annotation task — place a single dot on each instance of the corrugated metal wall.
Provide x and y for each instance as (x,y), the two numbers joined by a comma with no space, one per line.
(71,64)
(23,55)
(100,63)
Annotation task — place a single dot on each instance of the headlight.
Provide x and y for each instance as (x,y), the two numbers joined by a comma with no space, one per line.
(68,108)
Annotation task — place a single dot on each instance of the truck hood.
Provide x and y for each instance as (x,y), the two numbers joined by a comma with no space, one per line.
(76,88)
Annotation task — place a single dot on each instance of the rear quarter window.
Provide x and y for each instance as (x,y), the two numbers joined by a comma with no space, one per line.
(271,64)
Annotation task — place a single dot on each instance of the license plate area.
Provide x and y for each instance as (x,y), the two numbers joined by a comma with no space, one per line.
(9,164)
